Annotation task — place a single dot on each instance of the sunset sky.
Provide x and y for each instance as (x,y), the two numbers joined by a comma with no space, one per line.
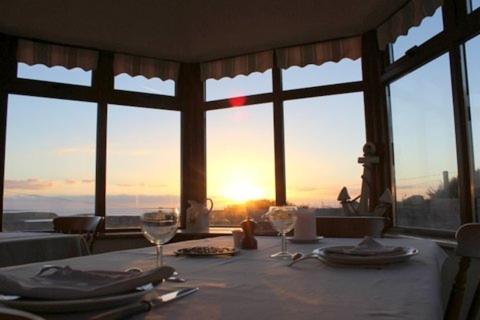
(50,156)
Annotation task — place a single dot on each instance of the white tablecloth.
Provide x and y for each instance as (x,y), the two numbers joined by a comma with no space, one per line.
(253,286)
(26,247)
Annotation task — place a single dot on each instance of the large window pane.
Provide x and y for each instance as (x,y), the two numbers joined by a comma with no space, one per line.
(473,69)
(346,70)
(429,27)
(141,84)
(475,4)
(240,163)
(424,145)
(50,161)
(55,74)
(143,163)
(239,86)
(323,138)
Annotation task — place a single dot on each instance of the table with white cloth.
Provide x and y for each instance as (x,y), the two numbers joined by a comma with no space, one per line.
(251,285)
(27,247)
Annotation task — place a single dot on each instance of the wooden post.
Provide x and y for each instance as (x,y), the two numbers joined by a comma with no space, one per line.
(278,137)
(102,83)
(8,72)
(453,13)
(376,116)
(193,137)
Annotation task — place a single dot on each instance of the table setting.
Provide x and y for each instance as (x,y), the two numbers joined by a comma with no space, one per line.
(302,280)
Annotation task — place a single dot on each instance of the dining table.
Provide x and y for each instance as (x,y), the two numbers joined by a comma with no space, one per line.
(26,247)
(251,285)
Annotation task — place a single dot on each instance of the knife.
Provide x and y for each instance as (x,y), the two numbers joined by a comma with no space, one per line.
(143,306)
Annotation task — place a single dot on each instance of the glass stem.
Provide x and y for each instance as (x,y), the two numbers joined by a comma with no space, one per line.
(159,248)
(284,243)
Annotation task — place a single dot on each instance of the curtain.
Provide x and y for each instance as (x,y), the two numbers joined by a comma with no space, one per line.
(318,53)
(32,53)
(401,21)
(231,67)
(147,67)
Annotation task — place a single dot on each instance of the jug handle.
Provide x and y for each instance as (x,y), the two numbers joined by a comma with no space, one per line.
(211,205)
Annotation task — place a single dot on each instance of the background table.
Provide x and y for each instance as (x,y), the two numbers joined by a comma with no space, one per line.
(26,247)
(253,286)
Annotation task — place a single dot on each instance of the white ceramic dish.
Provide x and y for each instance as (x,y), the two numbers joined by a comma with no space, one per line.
(395,257)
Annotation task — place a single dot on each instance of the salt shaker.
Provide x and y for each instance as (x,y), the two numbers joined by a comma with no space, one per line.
(249,241)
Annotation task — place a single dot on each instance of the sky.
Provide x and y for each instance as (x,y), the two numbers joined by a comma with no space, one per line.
(50,156)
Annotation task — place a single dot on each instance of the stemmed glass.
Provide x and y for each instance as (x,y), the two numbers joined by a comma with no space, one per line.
(159,227)
(283,219)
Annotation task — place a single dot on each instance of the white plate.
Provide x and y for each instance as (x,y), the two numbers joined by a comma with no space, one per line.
(77,305)
(293,240)
(366,260)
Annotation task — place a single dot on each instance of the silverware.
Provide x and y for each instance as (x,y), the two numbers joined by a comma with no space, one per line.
(173,278)
(144,306)
(301,257)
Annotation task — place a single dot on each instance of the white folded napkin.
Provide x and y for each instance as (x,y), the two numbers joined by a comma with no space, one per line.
(367,247)
(64,283)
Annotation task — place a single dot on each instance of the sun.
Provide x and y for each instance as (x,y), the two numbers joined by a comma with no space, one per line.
(241,190)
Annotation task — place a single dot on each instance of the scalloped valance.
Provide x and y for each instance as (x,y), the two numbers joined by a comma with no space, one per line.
(147,67)
(406,17)
(231,67)
(31,53)
(319,53)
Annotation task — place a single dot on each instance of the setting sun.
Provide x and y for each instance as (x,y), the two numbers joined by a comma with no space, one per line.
(243,190)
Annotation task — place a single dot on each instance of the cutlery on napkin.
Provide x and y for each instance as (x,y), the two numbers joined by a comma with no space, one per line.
(65,283)
(367,247)
(144,306)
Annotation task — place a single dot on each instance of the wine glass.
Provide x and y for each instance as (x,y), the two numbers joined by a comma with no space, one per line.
(159,227)
(283,219)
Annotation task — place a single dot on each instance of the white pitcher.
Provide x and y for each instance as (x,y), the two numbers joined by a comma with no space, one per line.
(197,216)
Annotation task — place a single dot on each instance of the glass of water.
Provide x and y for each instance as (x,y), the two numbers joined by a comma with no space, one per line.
(159,227)
(283,219)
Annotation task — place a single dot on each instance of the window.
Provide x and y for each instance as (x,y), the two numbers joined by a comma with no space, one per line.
(50,161)
(429,27)
(324,136)
(143,163)
(240,86)
(475,4)
(346,70)
(240,163)
(141,84)
(59,74)
(473,69)
(424,147)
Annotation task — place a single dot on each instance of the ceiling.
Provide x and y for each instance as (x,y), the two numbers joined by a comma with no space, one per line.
(191,30)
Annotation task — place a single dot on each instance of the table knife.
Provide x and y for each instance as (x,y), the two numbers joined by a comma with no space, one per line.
(143,306)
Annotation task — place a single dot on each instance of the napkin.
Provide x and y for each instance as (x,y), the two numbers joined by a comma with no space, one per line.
(65,283)
(367,247)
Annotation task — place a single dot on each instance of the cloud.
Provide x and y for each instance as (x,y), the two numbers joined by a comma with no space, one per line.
(70,181)
(88,181)
(28,184)
(307,189)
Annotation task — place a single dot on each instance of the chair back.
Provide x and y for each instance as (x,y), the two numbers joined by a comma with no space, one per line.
(468,240)
(86,226)
(11,314)
(350,227)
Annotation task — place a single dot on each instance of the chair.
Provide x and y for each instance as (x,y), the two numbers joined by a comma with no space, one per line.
(86,226)
(350,227)
(468,247)
(11,314)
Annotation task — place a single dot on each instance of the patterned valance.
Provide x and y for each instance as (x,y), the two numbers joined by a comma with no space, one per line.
(408,16)
(257,62)
(318,53)
(31,53)
(147,67)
